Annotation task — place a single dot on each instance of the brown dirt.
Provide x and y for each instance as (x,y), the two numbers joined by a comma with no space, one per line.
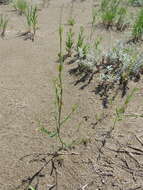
(27,70)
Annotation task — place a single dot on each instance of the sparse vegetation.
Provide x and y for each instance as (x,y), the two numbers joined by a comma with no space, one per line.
(70,42)
(32,20)
(59,90)
(71,22)
(120,111)
(99,66)
(3,25)
(137,31)
(93,22)
(20,6)
(113,14)
(109,11)
(121,23)
(82,47)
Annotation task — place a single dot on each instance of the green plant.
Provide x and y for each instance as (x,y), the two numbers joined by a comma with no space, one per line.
(85,50)
(3,25)
(104,4)
(113,14)
(120,112)
(137,31)
(94,17)
(58,84)
(32,19)
(120,20)
(80,40)
(20,6)
(31,188)
(97,43)
(59,95)
(69,42)
(59,90)
(109,12)
(82,48)
(71,22)
(117,68)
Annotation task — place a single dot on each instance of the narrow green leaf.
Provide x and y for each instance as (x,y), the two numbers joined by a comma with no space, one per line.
(129,97)
(49,133)
(31,188)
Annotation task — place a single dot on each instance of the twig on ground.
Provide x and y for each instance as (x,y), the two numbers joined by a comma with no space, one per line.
(138,139)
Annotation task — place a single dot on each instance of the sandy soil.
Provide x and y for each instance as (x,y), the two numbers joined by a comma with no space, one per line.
(27,70)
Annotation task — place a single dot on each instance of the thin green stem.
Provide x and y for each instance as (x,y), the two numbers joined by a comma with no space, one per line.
(60,102)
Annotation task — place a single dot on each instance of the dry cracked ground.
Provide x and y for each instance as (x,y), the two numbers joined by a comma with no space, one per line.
(101,161)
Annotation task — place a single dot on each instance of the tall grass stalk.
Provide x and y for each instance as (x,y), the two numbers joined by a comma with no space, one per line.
(58,85)
(69,42)
(120,23)
(94,16)
(81,38)
(60,120)
(59,88)
(3,25)
(71,20)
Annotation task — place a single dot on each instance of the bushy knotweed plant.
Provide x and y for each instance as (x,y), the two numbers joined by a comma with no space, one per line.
(87,64)
(114,69)
(118,66)
(3,25)
(121,63)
